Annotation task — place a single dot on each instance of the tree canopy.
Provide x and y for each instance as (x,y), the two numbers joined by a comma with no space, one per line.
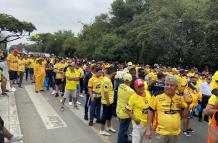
(14,28)
(168,32)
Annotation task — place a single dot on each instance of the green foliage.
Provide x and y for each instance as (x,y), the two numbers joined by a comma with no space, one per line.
(16,28)
(169,32)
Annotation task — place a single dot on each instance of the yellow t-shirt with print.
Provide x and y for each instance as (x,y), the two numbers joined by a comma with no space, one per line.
(31,63)
(213,100)
(107,86)
(167,113)
(78,73)
(21,65)
(59,67)
(95,84)
(70,84)
(139,105)
(12,62)
(123,95)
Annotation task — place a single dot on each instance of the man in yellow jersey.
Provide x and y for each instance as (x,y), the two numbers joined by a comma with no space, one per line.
(12,60)
(59,77)
(94,86)
(26,60)
(79,73)
(31,66)
(107,101)
(137,109)
(123,95)
(21,69)
(167,109)
(70,87)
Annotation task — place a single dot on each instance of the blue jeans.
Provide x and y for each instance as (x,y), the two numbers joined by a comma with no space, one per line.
(77,90)
(87,104)
(95,108)
(123,128)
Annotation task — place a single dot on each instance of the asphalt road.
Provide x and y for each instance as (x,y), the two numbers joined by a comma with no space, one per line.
(42,121)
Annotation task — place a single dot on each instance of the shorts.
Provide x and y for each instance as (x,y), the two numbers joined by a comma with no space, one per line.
(166,138)
(12,75)
(58,81)
(69,92)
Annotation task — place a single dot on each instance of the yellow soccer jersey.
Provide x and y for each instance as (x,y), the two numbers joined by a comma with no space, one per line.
(21,65)
(70,84)
(167,113)
(12,62)
(139,105)
(107,87)
(123,95)
(95,84)
(59,67)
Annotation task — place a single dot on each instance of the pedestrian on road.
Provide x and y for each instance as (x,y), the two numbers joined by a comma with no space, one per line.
(124,93)
(94,86)
(107,101)
(137,109)
(167,109)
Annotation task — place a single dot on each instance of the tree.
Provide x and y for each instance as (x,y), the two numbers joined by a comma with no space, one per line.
(14,28)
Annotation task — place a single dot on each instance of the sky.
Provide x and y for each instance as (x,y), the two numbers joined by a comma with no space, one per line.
(54,15)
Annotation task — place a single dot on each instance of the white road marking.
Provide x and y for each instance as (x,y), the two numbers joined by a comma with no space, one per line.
(48,115)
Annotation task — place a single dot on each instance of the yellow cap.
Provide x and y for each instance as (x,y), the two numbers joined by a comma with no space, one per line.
(127,77)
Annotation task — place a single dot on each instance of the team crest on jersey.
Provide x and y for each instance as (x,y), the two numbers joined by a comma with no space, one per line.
(146,101)
(98,86)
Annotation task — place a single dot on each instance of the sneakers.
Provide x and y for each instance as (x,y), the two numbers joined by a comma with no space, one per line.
(86,117)
(16,138)
(13,89)
(81,95)
(56,95)
(90,123)
(186,133)
(78,103)
(111,129)
(104,133)
(53,92)
(70,103)
(62,109)
(190,130)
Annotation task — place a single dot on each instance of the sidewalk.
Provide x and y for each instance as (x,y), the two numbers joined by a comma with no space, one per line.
(8,112)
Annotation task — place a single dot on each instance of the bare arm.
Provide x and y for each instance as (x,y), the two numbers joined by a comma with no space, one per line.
(106,96)
(131,115)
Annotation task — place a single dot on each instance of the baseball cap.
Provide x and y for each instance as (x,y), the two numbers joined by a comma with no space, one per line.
(138,83)
(16,50)
(127,77)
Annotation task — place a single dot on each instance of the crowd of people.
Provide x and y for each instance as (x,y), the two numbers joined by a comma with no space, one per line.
(154,97)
